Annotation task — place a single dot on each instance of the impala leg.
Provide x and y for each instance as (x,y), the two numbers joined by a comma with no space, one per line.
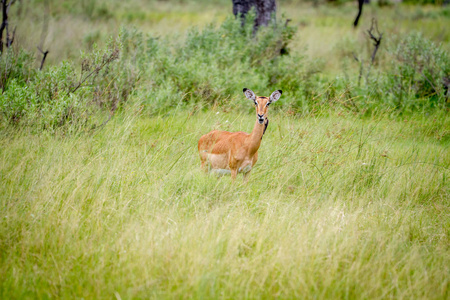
(206,161)
(206,166)
(246,176)
(233,174)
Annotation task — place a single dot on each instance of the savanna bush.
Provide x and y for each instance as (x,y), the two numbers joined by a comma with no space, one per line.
(61,95)
(212,65)
(17,65)
(418,73)
(412,74)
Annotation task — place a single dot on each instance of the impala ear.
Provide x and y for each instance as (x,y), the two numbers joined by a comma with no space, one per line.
(275,96)
(249,94)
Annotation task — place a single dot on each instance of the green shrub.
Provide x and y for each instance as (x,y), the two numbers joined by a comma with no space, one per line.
(410,76)
(15,65)
(16,101)
(60,95)
(418,69)
(211,66)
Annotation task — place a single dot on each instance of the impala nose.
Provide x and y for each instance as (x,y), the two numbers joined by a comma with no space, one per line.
(260,118)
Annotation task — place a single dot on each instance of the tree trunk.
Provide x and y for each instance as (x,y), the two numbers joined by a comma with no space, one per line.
(265,10)
(4,24)
(360,8)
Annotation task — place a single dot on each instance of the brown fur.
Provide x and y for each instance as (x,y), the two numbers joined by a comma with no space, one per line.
(234,151)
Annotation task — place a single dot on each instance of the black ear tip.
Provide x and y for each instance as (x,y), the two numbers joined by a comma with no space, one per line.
(281,92)
(245,89)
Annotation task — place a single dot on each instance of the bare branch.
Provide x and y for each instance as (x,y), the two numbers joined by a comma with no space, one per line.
(43,58)
(44,34)
(113,56)
(376,38)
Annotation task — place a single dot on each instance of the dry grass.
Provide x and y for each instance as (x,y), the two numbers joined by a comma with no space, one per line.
(338,206)
(329,212)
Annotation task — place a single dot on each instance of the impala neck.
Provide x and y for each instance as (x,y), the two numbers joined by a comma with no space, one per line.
(256,136)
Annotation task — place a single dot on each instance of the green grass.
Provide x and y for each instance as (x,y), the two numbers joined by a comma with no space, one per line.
(343,203)
(337,207)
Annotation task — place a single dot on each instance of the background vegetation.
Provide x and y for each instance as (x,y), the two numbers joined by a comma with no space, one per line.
(102,195)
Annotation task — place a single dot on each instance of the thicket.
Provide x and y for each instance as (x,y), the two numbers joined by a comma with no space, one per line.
(210,67)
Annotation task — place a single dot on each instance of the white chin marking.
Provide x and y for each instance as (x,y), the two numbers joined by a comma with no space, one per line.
(220,172)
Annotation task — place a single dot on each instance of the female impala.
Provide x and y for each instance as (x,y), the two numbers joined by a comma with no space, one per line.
(224,152)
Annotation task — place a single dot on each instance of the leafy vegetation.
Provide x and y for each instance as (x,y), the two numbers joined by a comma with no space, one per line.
(419,71)
(202,70)
(102,194)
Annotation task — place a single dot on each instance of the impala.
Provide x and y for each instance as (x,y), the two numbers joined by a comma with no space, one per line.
(224,152)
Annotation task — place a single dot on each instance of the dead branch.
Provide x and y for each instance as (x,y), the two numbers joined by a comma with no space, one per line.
(105,61)
(376,40)
(44,34)
(376,37)
(43,58)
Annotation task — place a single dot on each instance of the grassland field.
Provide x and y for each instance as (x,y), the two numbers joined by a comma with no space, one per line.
(339,205)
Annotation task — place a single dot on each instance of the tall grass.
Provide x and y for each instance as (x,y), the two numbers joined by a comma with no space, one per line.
(337,207)
(101,191)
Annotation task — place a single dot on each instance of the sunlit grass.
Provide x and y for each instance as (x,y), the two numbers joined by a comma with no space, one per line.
(337,207)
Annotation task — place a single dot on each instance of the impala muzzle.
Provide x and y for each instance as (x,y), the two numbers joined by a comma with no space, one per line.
(260,118)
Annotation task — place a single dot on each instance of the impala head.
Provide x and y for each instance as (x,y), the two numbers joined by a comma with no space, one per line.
(262,103)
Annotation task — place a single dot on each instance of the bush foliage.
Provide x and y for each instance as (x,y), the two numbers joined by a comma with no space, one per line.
(210,67)
(418,73)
